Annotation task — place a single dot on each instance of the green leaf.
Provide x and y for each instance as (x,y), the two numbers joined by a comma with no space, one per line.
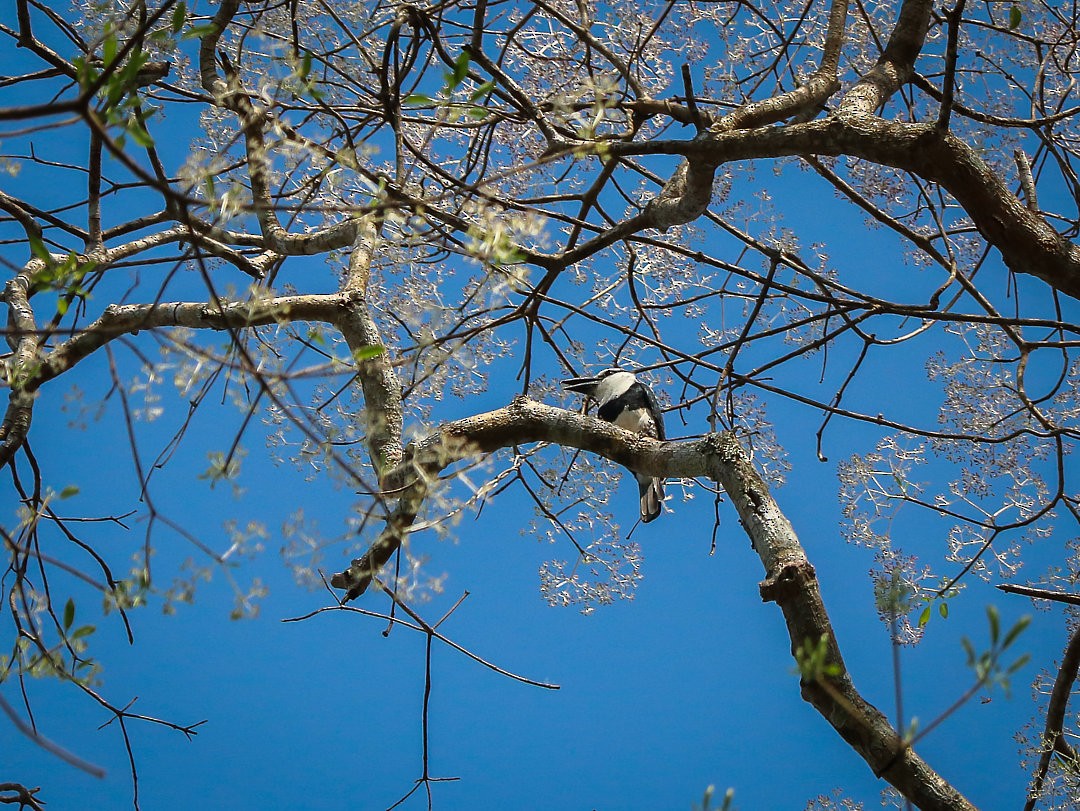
(38,249)
(69,491)
(912,729)
(83,630)
(368,352)
(969,649)
(85,72)
(108,49)
(1019,663)
(943,609)
(418,100)
(924,617)
(1014,18)
(481,91)
(139,134)
(200,31)
(305,66)
(1016,630)
(461,70)
(179,16)
(477,112)
(62,306)
(995,623)
(69,613)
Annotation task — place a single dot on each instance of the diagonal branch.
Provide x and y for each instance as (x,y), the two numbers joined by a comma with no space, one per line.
(897,63)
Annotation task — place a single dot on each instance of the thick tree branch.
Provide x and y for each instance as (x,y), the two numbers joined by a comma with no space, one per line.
(22,337)
(1026,242)
(805,99)
(687,195)
(383,408)
(896,64)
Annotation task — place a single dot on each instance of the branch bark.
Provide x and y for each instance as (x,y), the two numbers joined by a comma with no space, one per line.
(383,408)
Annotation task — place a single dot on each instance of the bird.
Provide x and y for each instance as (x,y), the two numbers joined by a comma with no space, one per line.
(628,403)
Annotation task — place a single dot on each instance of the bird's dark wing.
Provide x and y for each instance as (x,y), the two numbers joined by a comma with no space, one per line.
(654,407)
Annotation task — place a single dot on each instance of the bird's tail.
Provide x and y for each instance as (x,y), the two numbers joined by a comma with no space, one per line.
(652,497)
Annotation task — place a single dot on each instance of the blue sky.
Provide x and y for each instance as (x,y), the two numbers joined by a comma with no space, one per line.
(689,685)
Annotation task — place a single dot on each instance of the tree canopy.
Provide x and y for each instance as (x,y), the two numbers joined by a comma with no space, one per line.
(365,241)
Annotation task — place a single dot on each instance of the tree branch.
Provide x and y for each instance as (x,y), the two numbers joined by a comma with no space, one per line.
(1026,242)
(790,581)
(896,64)
(382,389)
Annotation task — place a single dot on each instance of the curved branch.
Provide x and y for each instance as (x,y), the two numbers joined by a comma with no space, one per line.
(1026,242)
(229,94)
(806,98)
(31,372)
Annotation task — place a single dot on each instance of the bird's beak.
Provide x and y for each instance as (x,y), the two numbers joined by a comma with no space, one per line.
(584,385)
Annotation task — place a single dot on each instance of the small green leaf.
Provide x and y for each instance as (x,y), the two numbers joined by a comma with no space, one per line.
(305,66)
(477,112)
(995,623)
(368,352)
(69,491)
(69,613)
(461,69)
(1016,630)
(179,16)
(139,134)
(924,617)
(62,306)
(85,72)
(969,649)
(418,100)
(943,609)
(84,630)
(109,48)
(1019,663)
(200,31)
(1014,18)
(481,91)
(38,249)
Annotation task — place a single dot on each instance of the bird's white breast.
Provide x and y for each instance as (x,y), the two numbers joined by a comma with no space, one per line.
(637,421)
